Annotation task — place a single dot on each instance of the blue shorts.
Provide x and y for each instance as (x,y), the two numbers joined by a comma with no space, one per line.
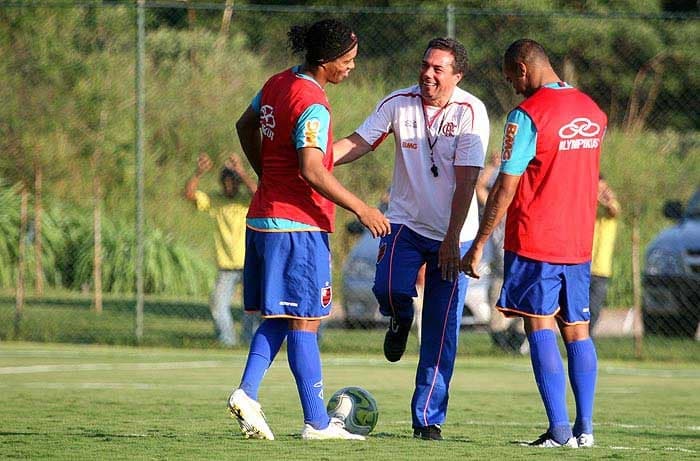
(538,289)
(287,274)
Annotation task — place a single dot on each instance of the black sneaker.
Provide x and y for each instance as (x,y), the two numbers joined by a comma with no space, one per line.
(432,432)
(395,339)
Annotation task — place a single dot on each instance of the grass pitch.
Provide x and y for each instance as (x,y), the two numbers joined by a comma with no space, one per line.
(105,402)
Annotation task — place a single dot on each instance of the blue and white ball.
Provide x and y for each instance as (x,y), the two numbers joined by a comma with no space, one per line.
(356,407)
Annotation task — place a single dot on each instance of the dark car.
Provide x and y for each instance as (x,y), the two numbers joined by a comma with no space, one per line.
(361,308)
(671,279)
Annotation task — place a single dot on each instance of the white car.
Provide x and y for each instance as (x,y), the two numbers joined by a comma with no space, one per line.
(671,279)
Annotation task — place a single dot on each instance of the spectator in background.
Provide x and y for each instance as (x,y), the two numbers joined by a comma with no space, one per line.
(603,247)
(228,208)
(507,333)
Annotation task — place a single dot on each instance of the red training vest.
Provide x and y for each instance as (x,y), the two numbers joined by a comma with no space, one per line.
(282,192)
(552,215)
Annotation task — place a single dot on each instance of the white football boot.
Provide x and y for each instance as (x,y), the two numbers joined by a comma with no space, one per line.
(547,441)
(335,430)
(249,415)
(585,440)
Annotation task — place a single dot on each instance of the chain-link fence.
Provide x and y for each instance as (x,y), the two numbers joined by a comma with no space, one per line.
(69,125)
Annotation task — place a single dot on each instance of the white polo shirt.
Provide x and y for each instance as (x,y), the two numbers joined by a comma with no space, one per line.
(459,135)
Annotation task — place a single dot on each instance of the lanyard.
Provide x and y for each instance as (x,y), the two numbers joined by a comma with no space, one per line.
(432,142)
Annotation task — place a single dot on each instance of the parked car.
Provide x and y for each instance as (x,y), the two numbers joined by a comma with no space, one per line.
(361,308)
(671,278)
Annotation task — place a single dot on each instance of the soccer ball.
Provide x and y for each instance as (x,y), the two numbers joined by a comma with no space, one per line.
(356,407)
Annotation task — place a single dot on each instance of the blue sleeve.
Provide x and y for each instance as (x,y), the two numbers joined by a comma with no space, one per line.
(519,143)
(255,103)
(311,129)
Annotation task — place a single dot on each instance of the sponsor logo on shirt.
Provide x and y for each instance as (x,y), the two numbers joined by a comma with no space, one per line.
(508,140)
(311,129)
(580,133)
(267,121)
(410,124)
(409,145)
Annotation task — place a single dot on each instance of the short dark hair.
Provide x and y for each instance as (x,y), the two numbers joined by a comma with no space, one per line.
(323,41)
(229,174)
(452,45)
(524,50)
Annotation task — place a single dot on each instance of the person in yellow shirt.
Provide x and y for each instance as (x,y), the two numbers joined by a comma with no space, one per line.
(603,247)
(228,208)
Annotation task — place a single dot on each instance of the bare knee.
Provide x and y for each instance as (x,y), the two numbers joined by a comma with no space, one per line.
(310,325)
(574,332)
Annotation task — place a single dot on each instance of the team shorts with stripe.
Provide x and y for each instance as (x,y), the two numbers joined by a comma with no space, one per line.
(287,274)
(539,289)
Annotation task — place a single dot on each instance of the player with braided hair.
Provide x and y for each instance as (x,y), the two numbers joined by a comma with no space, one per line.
(286,135)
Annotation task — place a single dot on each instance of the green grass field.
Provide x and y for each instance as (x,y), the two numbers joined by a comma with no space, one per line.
(99,402)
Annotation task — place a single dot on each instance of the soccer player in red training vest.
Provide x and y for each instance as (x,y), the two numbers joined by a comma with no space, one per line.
(548,185)
(286,135)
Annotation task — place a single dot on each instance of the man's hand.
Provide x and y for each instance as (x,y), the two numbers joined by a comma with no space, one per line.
(375,221)
(448,258)
(233,163)
(204,164)
(471,261)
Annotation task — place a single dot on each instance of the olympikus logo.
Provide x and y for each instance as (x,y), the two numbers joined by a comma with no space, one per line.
(585,132)
(409,145)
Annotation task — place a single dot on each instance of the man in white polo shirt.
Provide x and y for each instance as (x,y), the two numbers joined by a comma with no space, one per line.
(441,133)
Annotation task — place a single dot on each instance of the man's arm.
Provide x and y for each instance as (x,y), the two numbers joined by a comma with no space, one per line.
(350,149)
(233,163)
(204,164)
(313,171)
(449,256)
(497,204)
(248,129)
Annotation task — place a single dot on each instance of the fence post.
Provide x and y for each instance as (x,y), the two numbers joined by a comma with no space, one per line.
(636,288)
(450,11)
(140,113)
(19,300)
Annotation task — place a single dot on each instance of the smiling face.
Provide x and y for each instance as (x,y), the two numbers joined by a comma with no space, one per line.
(438,79)
(337,70)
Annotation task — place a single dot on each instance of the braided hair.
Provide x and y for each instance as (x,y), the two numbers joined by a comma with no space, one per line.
(323,41)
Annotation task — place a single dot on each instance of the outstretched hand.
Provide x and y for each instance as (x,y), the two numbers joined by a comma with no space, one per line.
(204,164)
(233,162)
(375,221)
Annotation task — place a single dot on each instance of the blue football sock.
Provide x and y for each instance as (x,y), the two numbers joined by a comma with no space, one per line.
(583,370)
(305,363)
(551,381)
(263,348)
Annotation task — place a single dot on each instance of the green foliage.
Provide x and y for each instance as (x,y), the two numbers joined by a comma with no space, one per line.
(645,170)
(70,95)
(67,253)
